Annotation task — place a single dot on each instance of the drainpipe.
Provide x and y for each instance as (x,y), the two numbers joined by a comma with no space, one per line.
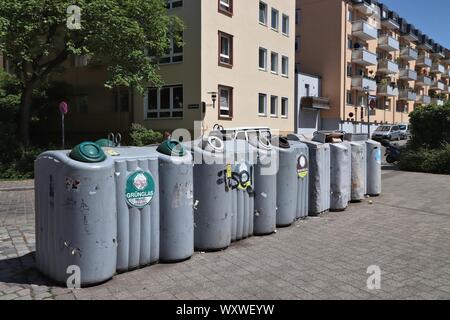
(344,100)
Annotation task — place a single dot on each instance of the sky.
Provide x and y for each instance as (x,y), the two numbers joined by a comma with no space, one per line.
(432,17)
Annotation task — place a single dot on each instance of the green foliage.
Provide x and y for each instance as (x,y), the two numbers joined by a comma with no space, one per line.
(20,164)
(426,160)
(34,36)
(430,126)
(141,136)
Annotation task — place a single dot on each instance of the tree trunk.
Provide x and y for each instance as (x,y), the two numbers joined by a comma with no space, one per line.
(25,113)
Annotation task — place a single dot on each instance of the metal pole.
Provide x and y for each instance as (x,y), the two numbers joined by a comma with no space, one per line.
(62,130)
(368,113)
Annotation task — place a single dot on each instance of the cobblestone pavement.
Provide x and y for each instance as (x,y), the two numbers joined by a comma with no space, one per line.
(13,184)
(406,232)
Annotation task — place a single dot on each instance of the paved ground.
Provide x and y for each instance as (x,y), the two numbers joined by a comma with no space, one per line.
(406,232)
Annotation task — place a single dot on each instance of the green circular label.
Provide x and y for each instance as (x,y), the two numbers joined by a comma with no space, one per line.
(140,189)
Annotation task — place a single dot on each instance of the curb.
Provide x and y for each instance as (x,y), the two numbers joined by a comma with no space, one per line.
(17,189)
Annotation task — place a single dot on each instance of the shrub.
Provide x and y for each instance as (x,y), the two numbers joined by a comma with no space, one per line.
(20,164)
(141,136)
(430,126)
(426,160)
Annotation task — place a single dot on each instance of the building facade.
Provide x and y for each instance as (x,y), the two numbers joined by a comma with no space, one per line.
(365,52)
(236,68)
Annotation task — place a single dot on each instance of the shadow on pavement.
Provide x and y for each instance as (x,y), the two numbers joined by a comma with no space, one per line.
(390,167)
(22,270)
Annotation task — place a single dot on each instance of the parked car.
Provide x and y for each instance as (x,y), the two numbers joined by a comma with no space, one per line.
(404,130)
(387,132)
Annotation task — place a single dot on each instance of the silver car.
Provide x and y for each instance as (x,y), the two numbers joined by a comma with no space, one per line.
(404,131)
(387,132)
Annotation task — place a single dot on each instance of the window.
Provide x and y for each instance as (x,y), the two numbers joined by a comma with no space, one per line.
(275,16)
(284,107)
(173,54)
(226,7)
(297,43)
(349,43)
(297,16)
(263,13)
(284,66)
(166,102)
(274,62)
(225,49)
(262,59)
(273,106)
(350,15)
(349,98)
(174,4)
(225,102)
(262,104)
(121,100)
(349,70)
(285,25)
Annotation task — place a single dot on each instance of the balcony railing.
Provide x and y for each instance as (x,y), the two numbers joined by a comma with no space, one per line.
(388,43)
(366,7)
(423,81)
(386,90)
(315,103)
(408,74)
(437,102)
(424,99)
(364,31)
(361,83)
(424,62)
(364,57)
(386,66)
(437,85)
(409,54)
(437,68)
(407,95)
(446,74)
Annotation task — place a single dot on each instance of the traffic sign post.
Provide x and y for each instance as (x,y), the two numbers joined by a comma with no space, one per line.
(63,109)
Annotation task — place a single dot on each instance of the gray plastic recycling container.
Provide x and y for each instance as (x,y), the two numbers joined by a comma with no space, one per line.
(137,201)
(265,185)
(212,194)
(287,181)
(176,192)
(242,186)
(303,178)
(76,225)
(373,149)
(359,165)
(340,167)
(319,180)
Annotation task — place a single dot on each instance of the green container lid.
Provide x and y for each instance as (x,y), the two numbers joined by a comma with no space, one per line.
(89,152)
(171,148)
(105,143)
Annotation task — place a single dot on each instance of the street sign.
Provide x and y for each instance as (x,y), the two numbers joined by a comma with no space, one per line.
(63,107)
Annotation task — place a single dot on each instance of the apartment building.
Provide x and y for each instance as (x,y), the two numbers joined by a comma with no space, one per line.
(366,54)
(236,68)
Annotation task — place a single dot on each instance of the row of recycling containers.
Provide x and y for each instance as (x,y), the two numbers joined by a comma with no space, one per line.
(115,209)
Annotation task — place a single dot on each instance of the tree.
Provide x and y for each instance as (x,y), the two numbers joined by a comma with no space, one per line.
(38,36)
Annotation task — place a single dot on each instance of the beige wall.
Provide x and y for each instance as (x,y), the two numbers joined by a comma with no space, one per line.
(245,77)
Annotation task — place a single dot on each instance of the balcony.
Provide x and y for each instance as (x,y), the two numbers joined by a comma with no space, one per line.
(386,90)
(361,83)
(408,32)
(366,7)
(315,103)
(389,19)
(438,51)
(364,58)
(386,66)
(424,99)
(437,85)
(424,61)
(407,95)
(446,74)
(408,74)
(437,102)
(423,81)
(364,31)
(425,43)
(388,43)
(408,54)
(437,68)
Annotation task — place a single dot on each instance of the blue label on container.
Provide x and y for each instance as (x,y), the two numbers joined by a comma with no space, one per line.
(378,155)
